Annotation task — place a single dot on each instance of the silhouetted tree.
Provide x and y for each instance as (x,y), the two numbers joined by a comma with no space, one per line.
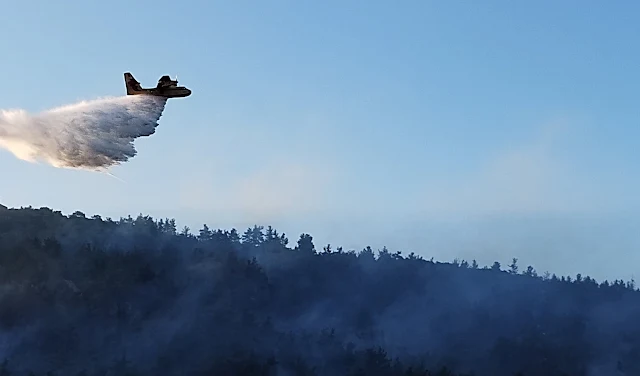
(531,272)
(513,267)
(305,244)
(205,233)
(253,237)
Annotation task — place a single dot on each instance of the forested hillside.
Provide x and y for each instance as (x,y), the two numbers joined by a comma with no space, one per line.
(137,296)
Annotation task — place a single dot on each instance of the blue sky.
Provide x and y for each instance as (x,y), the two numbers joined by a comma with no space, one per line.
(484,130)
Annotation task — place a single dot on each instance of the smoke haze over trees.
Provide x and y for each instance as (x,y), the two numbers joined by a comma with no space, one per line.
(139,296)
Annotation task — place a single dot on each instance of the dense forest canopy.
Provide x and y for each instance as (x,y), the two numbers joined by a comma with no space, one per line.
(138,296)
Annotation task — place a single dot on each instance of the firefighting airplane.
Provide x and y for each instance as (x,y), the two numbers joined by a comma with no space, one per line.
(166,87)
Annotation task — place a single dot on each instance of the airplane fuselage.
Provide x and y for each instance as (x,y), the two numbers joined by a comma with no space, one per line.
(171,92)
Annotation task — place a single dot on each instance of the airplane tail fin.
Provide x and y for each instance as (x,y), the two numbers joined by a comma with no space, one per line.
(131,84)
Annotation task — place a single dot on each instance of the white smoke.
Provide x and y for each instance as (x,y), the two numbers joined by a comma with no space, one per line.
(91,135)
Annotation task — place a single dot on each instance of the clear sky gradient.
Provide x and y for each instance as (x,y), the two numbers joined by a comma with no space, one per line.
(484,130)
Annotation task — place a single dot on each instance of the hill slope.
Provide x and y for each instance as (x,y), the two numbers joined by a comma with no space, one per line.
(135,295)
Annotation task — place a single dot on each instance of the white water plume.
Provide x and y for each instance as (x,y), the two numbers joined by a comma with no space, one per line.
(92,135)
